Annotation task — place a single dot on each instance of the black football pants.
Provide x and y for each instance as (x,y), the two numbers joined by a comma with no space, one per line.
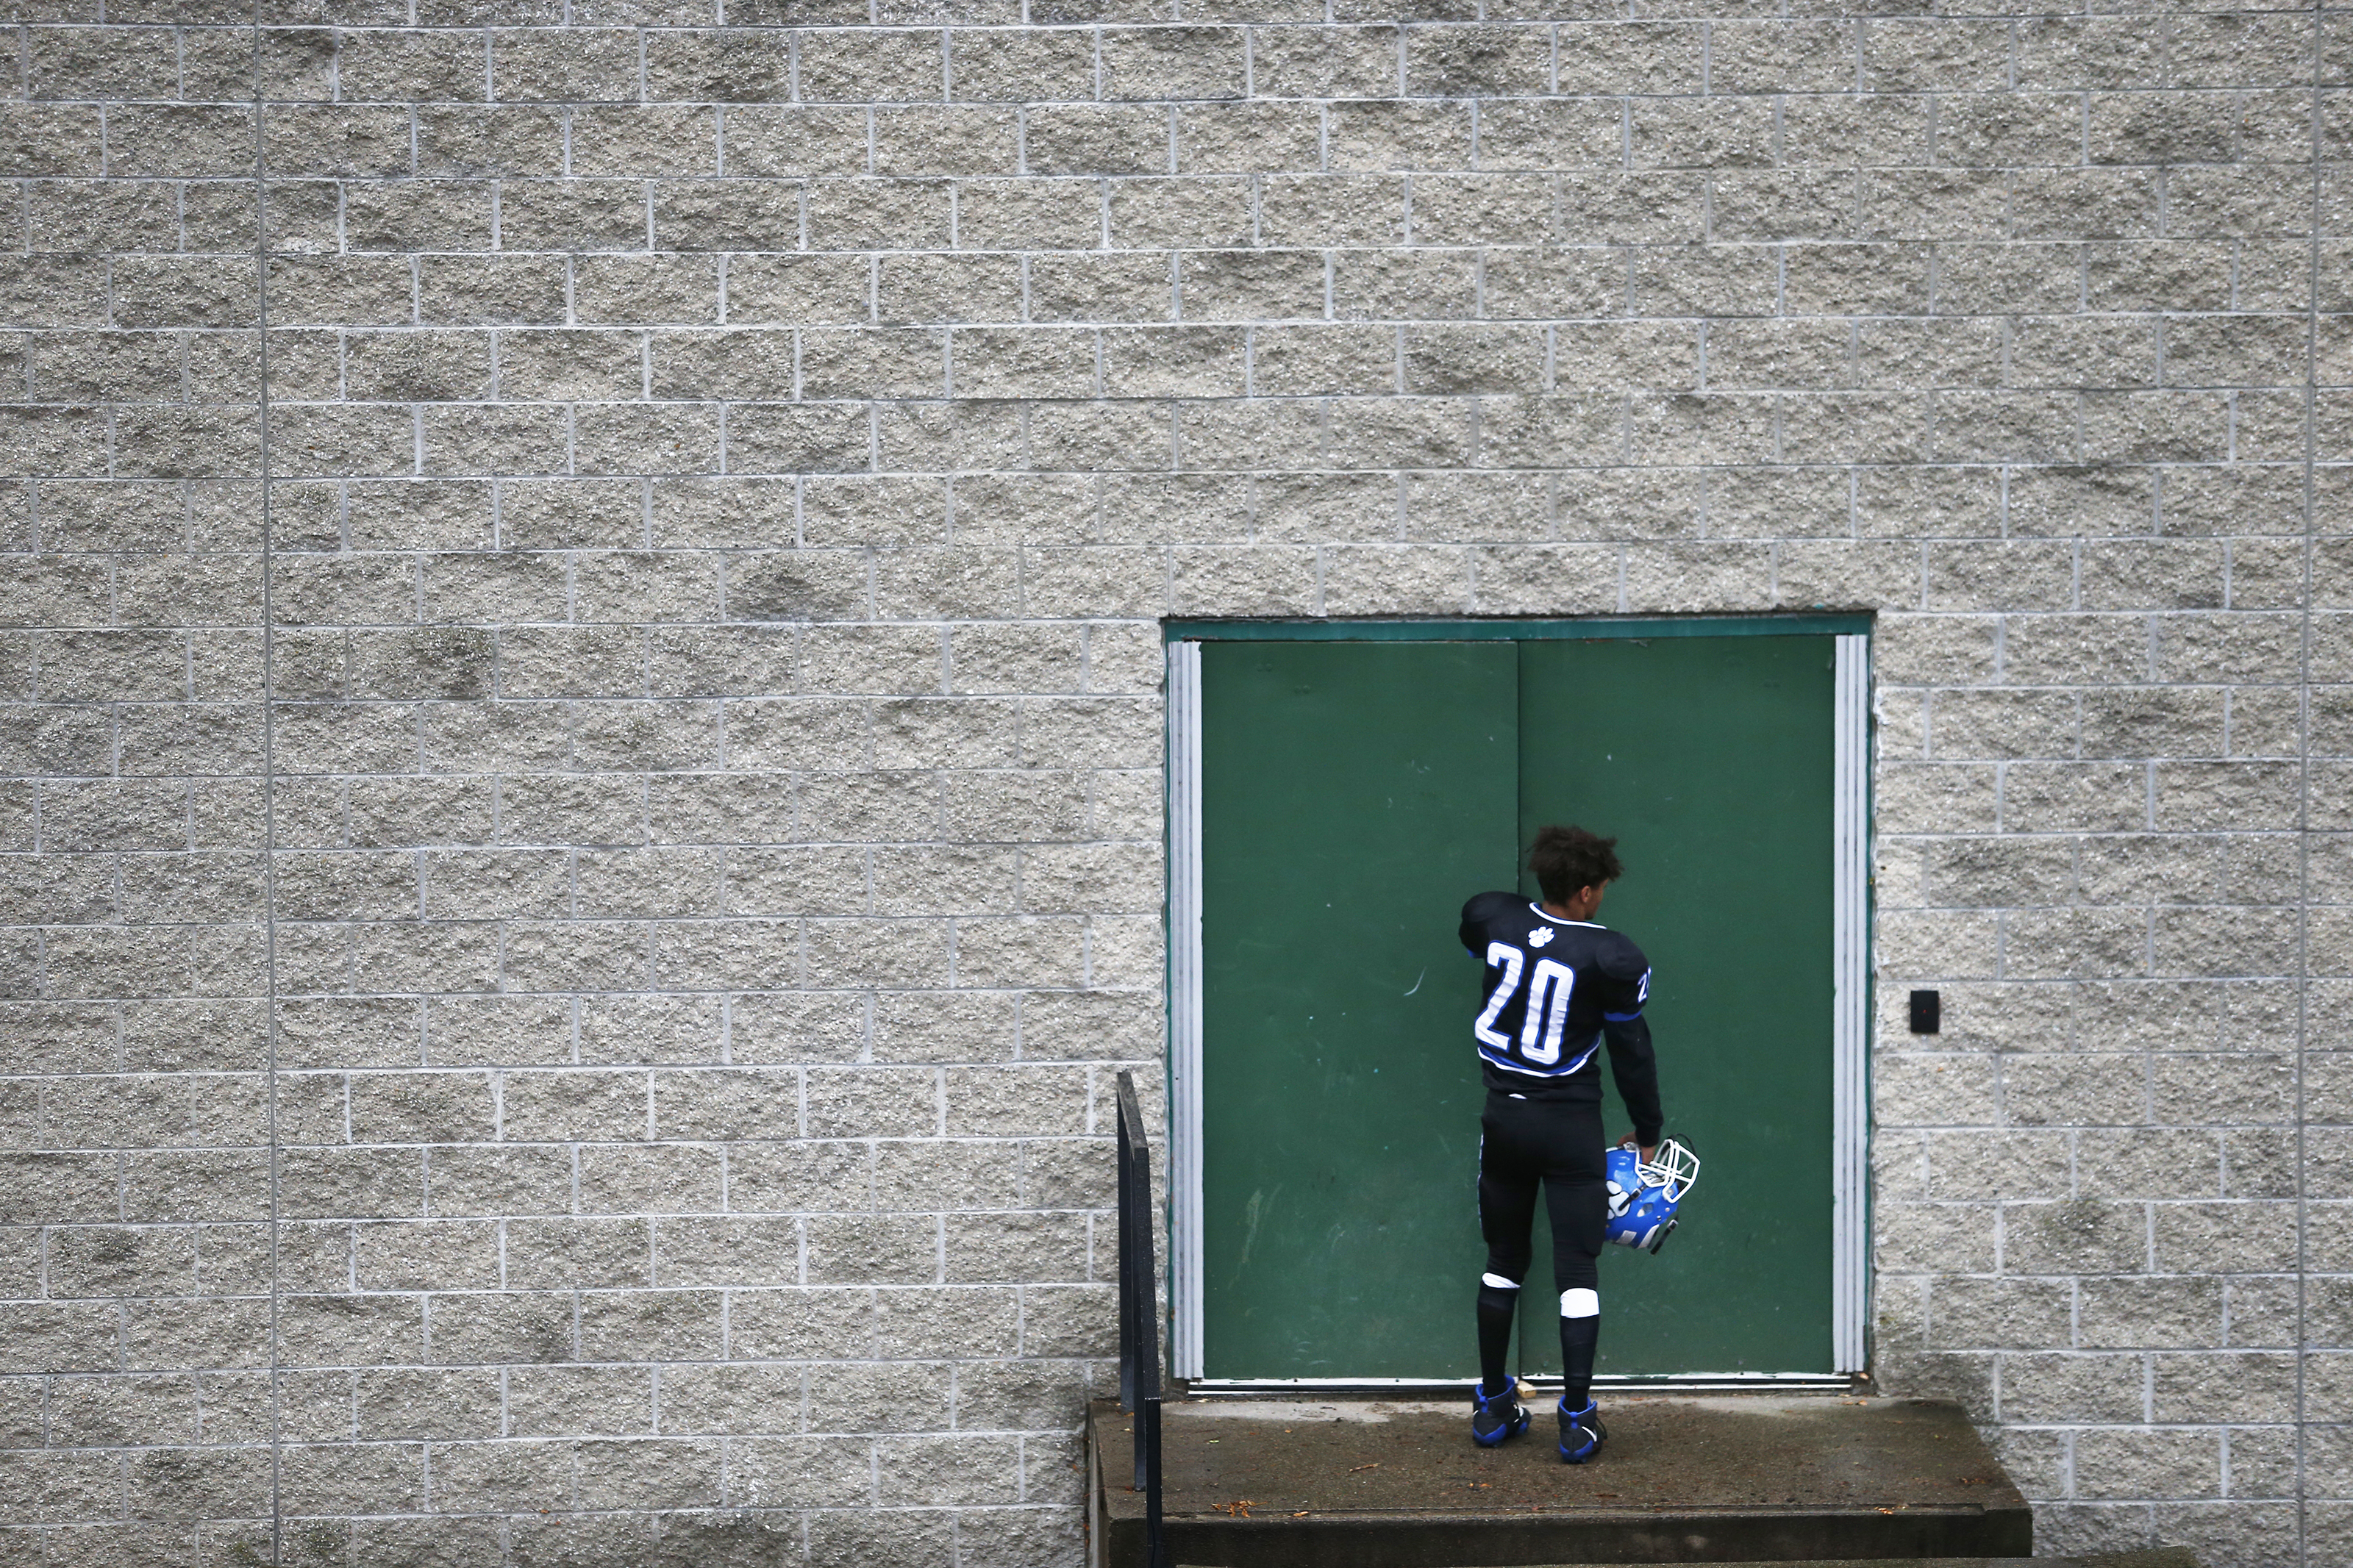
(1524,1144)
(1556,1143)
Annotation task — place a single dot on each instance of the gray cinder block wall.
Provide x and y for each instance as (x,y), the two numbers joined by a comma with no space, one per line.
(583,809)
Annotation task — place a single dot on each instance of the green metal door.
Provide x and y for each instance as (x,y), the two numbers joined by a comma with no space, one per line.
(1709,759)
(1353,795)
(1350,794)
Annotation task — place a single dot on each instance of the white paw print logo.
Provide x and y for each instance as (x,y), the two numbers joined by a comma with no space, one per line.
(1539,936)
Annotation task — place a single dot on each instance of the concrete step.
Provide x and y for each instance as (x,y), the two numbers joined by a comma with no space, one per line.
(2158,1557)
(1382,1483)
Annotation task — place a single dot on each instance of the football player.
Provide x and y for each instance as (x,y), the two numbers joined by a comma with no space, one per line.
(1559,987)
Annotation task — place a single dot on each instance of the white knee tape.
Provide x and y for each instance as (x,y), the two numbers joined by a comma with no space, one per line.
(1580,1304)
(1497,1283)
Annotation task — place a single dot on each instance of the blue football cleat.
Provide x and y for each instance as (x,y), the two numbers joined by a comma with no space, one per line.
(1581,1432)
(1496,1417)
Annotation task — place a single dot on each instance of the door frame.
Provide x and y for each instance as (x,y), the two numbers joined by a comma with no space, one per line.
(1851,955)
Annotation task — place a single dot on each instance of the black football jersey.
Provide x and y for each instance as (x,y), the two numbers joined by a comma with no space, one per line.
(1555,988)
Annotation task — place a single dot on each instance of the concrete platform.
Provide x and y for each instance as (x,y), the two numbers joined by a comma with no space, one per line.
(1372,1483)
(2156,1557)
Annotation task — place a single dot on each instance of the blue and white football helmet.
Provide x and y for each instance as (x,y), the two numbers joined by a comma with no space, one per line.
(1645,1193)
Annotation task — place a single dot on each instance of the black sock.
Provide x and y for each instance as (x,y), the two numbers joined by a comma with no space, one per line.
(1577,1336)
(1495,1310)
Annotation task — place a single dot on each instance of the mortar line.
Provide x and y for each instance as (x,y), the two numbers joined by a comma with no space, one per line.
(2304,803)
(268,788)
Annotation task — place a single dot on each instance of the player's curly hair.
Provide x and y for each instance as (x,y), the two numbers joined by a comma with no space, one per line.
(1567,858)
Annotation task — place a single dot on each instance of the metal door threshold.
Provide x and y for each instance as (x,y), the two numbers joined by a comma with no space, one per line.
(1407,1387)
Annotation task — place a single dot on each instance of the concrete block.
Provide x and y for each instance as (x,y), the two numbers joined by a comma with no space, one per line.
(1899,1165)
(473,1182)
(930,1025)
(1091,139)
(1998,724)
(858,67)
(1842,427)
(1010,1100)
(2035,1459)
(787,1177)
(958,1470)
(580,1401)
(347,1331)
(1088,1025)
(1367,209)
(156,1188)
(549,1538)
(412,1254)
(1101,435)
(964,1323)
(569,1105)
(192,1484)
(1405,283)
(738,66)
(1066,1320)
(2075,797)
(1020,1396)
(2051,1388)
(656,1325)
(637,142)
(1145,63)
(2076,1234)
(870,1248)
(2075,1089)
(107,1412)
(827,1322)
(2123,1463)
(484,1477)
(2234,1388)
(721,1400)
(2075,943)
(1981,871)
(1942,1089)
(903,1537)
(1016,64)
(1692,133)
(471,1328)
(160,1334)
(2262,1312)
(1216,138)
(1982,1314)
(2140,1313)
(872,1103)
(309,1257)
(2224,1237)
(702,1252)
(826,1472)
(1015,1249)
(1164,361)
(469,1541)
(1565,581)
(2262,1532)
(1977,1165)
(99,1261)
(1398,135)
(1649,58)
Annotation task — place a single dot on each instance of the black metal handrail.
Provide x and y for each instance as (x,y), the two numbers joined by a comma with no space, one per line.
(1139,1327)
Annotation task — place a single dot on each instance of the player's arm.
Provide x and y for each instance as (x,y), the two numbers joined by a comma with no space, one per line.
(1625,990)
(1472,931)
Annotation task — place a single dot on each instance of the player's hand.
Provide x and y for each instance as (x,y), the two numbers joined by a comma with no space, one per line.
(1644,1150)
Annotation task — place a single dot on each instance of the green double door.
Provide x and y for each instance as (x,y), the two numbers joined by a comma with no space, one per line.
(1353,795)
